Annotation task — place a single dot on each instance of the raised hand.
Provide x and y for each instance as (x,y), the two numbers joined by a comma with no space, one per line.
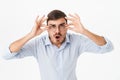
(75,22)
(39,27)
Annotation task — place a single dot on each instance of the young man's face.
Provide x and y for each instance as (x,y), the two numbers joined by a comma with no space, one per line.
(57,30)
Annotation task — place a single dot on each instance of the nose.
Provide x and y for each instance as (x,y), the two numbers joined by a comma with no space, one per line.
(57,30)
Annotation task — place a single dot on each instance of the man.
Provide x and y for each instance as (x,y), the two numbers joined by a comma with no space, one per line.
(56,49)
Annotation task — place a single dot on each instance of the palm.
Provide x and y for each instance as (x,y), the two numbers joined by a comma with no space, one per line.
(37,27)
(75,21)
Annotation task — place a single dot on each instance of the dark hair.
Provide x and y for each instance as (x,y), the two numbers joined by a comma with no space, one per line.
(56,14)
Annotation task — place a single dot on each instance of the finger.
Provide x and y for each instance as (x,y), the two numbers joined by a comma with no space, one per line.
(70,25)
(44,28)
(77,15)
(73,16)
(70,28)
(43,25)
(36,19)
(44,19)
(66,25)
(47,27)
(39,21)
(68,18)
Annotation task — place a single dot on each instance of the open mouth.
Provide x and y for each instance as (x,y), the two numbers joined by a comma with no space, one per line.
(57,37)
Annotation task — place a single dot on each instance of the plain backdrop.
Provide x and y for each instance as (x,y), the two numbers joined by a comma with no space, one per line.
(99,16)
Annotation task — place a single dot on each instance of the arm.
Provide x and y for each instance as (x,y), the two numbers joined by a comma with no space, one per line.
(95,43)
(18,44)
(79,28)
(99,40)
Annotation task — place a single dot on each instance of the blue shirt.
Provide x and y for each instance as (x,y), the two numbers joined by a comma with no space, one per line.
(59,63)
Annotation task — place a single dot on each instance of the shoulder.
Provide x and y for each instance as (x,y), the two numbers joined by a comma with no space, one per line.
(40,39)
(76,36)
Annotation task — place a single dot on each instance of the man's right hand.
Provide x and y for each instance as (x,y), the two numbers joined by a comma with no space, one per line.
(38,27)
(36,30)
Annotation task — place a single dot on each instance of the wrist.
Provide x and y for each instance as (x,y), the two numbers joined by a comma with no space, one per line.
(30,35)
(82,31)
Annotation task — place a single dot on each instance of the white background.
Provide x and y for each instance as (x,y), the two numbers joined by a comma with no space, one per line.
(99,16)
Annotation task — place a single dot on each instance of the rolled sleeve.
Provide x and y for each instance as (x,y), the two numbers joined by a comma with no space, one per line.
(107,47)
(8,55)
(90,46)
(27,50)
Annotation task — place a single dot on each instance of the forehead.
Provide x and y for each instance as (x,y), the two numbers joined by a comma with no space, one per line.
(57,22)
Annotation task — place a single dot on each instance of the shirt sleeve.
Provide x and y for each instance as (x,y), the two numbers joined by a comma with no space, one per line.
(90,46)
(27,50)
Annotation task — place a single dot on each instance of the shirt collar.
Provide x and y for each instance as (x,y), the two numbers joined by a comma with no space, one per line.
(48,42)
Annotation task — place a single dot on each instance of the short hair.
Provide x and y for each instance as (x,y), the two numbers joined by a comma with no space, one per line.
(56,14)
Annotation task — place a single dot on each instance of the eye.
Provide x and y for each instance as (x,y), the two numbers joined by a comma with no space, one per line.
(62,25)
(52,26)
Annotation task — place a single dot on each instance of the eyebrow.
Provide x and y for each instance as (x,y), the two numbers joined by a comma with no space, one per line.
(51,24)
(62,23)
(59,24)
